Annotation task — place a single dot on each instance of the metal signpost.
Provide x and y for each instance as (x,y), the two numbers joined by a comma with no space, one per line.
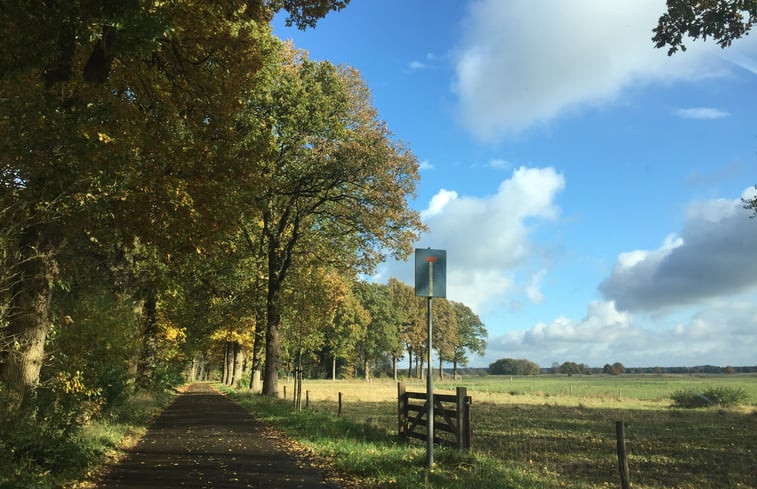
(430,281)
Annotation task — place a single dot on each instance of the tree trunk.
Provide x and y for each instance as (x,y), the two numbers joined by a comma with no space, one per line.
(394,367)
(257,351)
(454,368)
(441,371)
(193,370)
(333,368)
(29,319)
(225,366)
(238,362)
(256,384)
(272,341)
(366,370)
(420,360)
(230,363)
(410,363)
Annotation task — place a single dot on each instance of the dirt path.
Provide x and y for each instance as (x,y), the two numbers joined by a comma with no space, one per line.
(204,440)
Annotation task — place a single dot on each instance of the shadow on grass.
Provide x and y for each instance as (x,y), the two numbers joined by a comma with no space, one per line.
(377,457)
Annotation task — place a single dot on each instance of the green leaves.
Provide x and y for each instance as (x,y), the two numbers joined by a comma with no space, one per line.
(722,20)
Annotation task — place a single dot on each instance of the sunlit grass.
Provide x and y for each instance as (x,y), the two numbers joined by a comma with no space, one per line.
(545,432)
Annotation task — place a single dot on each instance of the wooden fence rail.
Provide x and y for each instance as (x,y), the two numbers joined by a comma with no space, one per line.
(455,419)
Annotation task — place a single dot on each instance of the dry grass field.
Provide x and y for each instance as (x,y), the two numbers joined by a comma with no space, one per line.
(560,431)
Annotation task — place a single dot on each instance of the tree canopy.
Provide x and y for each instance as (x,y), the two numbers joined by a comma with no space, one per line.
(721,20)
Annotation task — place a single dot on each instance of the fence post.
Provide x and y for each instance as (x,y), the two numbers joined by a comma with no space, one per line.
(461,394)
(307,399)
(285,392)
(622,460)
(467,424)
(401,410)
(339,411)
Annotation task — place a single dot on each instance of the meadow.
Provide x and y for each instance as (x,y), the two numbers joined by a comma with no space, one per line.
(542,431)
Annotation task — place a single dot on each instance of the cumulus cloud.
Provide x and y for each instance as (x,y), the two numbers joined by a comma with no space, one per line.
(438,202)
(720,334)
(525,62)
(488,238)
(701,113)
(712,257)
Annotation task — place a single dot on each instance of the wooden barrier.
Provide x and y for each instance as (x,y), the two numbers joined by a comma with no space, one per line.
(455,420)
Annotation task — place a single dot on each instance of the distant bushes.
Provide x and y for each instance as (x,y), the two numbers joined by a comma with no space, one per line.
(511,366)
(712,396)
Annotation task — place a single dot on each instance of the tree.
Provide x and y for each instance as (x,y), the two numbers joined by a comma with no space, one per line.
(444,332)
(332,178)
(571,368)
(348,326)
(511,366)
(471,335)
(111,110)
(722,20)
(616,368)
(380,330)
(83,153)
(409,323)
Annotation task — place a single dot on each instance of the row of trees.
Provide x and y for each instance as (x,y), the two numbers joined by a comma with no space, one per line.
(173,178)
(511,366)
(358,328)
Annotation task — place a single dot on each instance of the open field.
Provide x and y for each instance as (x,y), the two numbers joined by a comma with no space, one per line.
(559,431)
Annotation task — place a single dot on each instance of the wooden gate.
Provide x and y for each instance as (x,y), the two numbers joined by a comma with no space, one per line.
(452,424)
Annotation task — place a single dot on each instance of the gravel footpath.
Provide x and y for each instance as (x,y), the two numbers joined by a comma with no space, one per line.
(205,440)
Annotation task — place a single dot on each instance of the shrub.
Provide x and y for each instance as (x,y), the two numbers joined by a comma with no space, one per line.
(727,396)
(712,396)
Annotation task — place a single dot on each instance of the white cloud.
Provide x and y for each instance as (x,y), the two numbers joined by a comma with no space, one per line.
(500,164)
(487,238)
(438,202)
(525,62)
(713,257)
(701,113)
(533,290)
(425,165)
(417,65)
(720,334)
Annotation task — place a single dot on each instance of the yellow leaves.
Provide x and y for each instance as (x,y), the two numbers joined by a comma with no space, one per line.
(101,136)
(74,383)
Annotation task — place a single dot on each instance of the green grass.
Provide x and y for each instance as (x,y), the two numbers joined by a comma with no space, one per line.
(353,450)
(547,435)
(640,390)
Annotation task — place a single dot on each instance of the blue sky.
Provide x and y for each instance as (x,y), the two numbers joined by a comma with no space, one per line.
(585,185)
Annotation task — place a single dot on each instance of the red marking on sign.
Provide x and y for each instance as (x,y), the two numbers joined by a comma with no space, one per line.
(431,259)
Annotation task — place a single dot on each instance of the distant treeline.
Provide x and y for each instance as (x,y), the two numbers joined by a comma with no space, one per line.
(585,370)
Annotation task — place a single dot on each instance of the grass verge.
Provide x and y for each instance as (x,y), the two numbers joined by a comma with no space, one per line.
(360,455)
(530,441)
(30,460)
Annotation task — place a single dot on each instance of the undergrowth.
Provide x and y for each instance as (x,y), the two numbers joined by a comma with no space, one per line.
(54,437)
(721,396)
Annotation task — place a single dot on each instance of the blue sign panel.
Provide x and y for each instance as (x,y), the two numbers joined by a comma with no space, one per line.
(430,273)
